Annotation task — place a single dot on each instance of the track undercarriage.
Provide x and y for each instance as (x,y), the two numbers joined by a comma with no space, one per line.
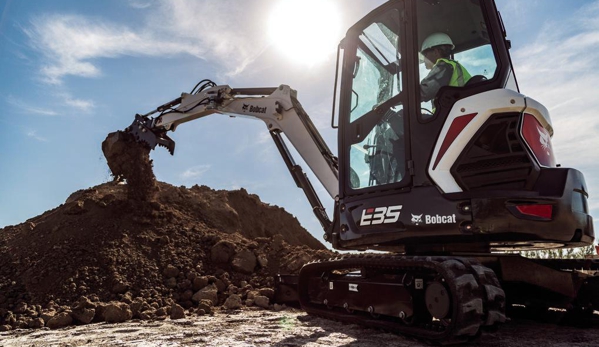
(442,299)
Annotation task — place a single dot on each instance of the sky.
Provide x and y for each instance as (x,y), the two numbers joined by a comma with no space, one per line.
(72,71)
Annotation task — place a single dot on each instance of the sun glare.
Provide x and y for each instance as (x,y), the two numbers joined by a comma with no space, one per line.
(306,31)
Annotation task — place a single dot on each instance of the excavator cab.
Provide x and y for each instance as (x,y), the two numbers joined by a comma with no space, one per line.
(430,164)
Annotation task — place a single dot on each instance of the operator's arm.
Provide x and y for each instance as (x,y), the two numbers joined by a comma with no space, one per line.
(438,77)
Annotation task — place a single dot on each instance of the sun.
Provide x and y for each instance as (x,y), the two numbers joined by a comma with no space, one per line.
(305,31)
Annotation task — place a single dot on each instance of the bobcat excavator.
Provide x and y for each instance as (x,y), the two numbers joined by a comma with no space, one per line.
(449,195)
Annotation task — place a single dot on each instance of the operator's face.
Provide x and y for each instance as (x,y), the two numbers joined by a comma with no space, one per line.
(430,57)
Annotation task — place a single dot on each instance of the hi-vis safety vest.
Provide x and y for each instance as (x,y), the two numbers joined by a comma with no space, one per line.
(460,75)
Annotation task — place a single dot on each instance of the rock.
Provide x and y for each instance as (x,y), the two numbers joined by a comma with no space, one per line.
(5,327)
(23,323)
(262,261)
(297,262)
(209,292)
(36,323)
(205,305)
(120,288)
(171,282)
(268,292)
(84,302)
(177,312)
(185,284)
(84,315)
(146,315)
(220,285)
(186,295)
(75,208)
(278,307)
(46,316)
(170,271)
(277,242)
(233,302)
(244,261)
(222,251)
(252,294)
(60,320)
(137,306)
(199,283)
(117,312)
(20,308)
(261,301)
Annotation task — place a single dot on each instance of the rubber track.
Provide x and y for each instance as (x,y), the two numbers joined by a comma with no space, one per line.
(478,302)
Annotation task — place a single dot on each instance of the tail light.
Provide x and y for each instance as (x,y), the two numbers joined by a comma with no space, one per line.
(538,140)
(541,212)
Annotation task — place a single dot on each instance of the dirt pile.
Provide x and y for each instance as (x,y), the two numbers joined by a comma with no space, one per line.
(105,256)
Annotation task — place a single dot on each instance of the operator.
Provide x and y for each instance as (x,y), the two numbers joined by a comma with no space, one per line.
(436,50)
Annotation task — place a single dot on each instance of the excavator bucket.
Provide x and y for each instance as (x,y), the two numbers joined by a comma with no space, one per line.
(143,131)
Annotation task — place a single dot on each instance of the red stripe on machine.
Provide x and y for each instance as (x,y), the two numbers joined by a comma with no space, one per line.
(458,124)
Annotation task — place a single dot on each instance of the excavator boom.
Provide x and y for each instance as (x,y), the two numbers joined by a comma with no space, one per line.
(278,108)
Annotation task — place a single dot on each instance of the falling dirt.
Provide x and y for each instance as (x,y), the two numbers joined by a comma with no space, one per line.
(130,160)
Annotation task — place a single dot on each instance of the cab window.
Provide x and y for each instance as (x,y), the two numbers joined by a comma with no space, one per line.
(376,142)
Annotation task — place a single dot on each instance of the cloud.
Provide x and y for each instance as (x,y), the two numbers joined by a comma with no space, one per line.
(232,34)
(23,107)
(80,104)
(33,134)
(65,99)
(139,4)
(195,172)
(73,45)
(559,70)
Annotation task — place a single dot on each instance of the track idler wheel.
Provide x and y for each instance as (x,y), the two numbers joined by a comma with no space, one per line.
(438,300)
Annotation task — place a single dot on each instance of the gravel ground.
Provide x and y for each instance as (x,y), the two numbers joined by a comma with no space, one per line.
(286,328)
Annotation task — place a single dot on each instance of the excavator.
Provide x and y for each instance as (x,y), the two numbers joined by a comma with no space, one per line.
(448,190)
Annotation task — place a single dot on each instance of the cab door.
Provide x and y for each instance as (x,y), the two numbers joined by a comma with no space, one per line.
(373,103)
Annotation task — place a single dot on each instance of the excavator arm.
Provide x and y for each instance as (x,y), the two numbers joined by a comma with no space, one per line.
(277,107)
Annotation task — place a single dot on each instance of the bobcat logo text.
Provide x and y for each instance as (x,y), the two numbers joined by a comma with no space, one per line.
(380,215)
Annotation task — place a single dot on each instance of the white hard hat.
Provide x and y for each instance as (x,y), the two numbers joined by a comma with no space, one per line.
(437,39)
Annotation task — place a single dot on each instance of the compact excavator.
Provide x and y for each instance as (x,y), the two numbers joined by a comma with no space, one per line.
(449,193)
